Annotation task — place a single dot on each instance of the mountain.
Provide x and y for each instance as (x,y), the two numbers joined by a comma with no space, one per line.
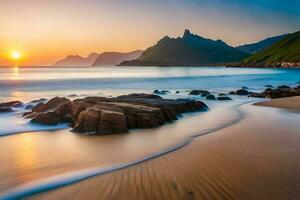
(284,53)
(189,50)
(261,45)
(75,60)
(115,58)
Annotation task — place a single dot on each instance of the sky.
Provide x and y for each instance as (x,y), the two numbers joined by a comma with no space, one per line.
(48,30)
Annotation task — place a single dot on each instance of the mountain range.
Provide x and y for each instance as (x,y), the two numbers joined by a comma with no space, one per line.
(76,60)
(194,50)
(115,58)
(188,50)
(95,59)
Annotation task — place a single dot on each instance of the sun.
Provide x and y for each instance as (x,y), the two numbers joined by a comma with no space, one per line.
(16,55)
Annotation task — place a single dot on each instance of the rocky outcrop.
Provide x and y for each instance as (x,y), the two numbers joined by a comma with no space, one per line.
(198,92)
(242,92)
(7,106)
(53,112)
(6,109)
(279,92)
(210,97)
(224,98)
(100,115)
(11,104)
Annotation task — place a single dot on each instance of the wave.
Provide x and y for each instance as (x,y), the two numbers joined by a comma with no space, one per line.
(74,177)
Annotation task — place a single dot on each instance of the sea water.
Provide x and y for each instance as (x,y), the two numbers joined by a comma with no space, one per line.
(37,161)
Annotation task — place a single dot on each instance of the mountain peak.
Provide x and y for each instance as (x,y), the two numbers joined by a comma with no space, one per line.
(187,33)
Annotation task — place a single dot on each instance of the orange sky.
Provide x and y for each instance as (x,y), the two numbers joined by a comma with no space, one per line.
(48,30)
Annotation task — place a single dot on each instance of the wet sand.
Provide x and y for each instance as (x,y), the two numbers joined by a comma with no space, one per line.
(287,103)
(29,157)
(258,158)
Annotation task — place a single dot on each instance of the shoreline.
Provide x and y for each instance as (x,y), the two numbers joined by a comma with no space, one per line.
(292,103)
(172,139)
(209,167)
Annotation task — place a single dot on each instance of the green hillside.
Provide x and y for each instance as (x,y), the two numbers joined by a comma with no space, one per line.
(286,50)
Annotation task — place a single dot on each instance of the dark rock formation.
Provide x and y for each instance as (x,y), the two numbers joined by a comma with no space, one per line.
(269,86)
(5,109)
(211,97)
(222,98)
(242,92)
(198,92)
(161,91)
(11,104)
(232,93)
(280,92)
(100,115)
(283,87)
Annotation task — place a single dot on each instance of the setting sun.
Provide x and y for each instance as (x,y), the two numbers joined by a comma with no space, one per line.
(16,55)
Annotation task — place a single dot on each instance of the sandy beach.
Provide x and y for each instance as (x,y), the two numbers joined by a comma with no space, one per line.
(287,103)
(257,158)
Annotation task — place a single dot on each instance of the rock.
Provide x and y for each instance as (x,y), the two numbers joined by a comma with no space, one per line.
(52,104)
(160,92)
(242,92)
(205,94)
(39,100)
(48,118)
(177,92)
(221,94)
(277,93)
(6,109)
(224,99)
(245,88)
(113,122)
(88,121)
(198,92)
(210,97)
(269,86)
(232,93)
(100,115)
(29,107)
(283,87)
(281,93)
(11,104)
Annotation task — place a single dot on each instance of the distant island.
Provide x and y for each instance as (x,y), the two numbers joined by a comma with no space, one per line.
(76,60)
(189,50)
(115,58)
(283,54)
(95,59)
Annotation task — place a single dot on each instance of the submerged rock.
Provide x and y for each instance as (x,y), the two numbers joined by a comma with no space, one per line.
(11,104)
(198,92)
(222,98)
(283,87)
(100,115)
(242,92)
(161,91)
(280,92)
(6,109)
(210,97)
(269,86)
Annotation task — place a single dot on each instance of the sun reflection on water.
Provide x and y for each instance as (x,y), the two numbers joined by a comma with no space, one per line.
(16,73)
